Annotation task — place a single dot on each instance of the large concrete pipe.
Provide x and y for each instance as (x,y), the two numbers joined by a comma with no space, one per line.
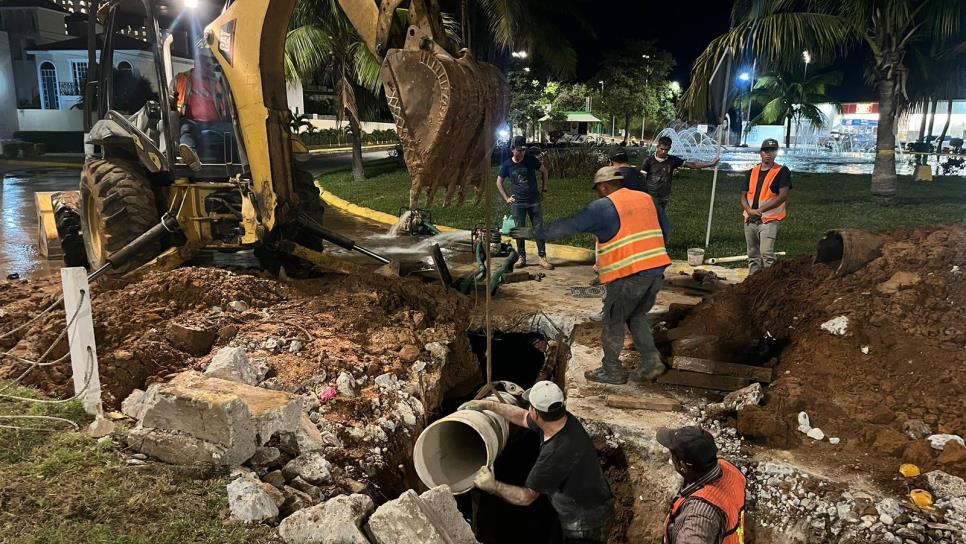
(847,250)
(454,448)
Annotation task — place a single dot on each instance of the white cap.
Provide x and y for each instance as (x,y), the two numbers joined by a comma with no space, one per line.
(545,396)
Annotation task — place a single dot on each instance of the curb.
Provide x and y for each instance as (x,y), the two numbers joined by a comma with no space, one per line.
(554,251)
(338,150)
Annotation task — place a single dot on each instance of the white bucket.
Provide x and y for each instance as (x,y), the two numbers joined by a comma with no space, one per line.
(695,256)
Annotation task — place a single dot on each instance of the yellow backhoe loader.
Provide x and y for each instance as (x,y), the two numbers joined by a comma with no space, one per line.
(141,205)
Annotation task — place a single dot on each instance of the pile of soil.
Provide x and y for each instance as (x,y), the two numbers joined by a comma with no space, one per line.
(898,365)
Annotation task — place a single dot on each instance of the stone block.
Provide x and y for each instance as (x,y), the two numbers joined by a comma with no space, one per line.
(311,467)
(946,486)
(181,449)
(190,339)
(133,405)
(249,502)
(233,364)
(411,518)
(336,521)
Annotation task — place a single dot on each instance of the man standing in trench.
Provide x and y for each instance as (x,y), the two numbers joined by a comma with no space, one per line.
(567,468)
(763,200)
(710,507)
(631,256)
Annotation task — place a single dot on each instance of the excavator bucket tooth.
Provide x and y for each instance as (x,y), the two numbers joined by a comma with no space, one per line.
(447,111)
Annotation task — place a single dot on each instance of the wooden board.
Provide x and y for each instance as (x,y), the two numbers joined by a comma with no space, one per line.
(707,366)
(661,404)
(48,242)
(702,381)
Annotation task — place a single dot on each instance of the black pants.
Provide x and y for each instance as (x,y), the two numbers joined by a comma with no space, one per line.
(626,304)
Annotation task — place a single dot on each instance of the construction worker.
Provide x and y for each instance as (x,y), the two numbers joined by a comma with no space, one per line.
(567,469)
(659,171)
(631,257)
(202,104)
(633,178)
(524,198)
(710,507)
(763,200)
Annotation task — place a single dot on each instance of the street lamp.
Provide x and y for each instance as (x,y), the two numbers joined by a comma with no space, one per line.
(807,58)
(675,87)
(526,69)
(519,54)
(744,76)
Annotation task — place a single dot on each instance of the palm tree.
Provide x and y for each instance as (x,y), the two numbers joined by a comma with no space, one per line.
(323,45)
(785,98)
(776,32)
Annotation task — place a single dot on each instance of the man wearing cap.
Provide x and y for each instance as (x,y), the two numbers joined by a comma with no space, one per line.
(710,507)
(567,469)
(521,170)
(633,178)
(763,198)
(631,257)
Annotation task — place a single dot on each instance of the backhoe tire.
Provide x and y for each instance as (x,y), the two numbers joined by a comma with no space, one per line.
(117,206)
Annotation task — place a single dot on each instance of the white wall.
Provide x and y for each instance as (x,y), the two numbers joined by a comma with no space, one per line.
(323,122)
(8,92)
(51,120)
(296,101)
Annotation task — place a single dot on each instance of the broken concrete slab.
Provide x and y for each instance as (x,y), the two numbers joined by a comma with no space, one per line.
(336,521)
(427,519)
(191,339)
(233,364)
(946,486)
(306,438)
(222,420)
(249,502)
(312,467)
(133,405)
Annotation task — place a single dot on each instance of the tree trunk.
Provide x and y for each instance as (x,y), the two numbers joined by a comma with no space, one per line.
(932,119)
(627,126)
(949,115)
(358,172)
(884,171)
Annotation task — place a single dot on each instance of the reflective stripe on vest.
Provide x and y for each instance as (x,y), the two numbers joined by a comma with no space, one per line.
(767,196)
(638,244)
(727,494)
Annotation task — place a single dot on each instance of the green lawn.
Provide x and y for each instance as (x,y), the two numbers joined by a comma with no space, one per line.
(818,202)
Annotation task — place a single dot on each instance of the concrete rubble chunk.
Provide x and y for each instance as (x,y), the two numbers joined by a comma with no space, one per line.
(249,502)
(815,433)
(264,456)
(916,429)
(238,306)
(233,364)
(306,438)
(275,478)
(198,419)
(428,519)
(837,325)
(746,396)
(946,486)
(133,405)
(295,500)
(939,441)
(438,350)
(346,384)
(312,467)
(191,339)
(336,521)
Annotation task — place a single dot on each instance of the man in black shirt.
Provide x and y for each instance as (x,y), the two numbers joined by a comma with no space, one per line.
(763,198)
(524,198)
(659,169)
(633,178)
(567,469)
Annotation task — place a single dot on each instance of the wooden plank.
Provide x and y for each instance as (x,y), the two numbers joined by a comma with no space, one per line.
(48,242)
(707,366)
(659,404)
(516,276)
(702,381)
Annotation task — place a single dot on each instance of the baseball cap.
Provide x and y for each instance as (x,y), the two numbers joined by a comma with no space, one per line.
(769,143)
(620,156)
(608,173)
(519,141)
(545,396)
(693,445)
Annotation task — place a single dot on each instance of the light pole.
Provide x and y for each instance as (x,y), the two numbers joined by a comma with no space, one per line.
(745,78)
(644,109)
(807,58)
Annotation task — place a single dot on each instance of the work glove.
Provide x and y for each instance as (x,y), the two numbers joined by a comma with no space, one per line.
(522,232)
(485,480)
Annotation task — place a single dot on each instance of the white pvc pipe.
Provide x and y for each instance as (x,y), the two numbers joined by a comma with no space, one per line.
(454,448)
(735,259)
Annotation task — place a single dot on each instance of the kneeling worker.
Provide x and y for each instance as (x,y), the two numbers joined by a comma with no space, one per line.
(567,469)
(710,508)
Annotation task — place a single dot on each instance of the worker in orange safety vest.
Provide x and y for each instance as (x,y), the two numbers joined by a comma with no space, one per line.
(710,507)
(763,199)
(201,101)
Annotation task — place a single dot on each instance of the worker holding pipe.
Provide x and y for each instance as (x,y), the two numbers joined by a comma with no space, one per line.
(763,200)
(710,507)
(631,256)
(567,469)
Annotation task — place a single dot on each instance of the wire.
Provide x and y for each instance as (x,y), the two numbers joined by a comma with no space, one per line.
(45,418)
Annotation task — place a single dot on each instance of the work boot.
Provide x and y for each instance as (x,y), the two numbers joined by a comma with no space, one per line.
(190,157)
(522,262)
(545,264)
(600,375)
(648,369)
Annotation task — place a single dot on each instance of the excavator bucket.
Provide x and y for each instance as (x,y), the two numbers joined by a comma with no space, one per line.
(447,110)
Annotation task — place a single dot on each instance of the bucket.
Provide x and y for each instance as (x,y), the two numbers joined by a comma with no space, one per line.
(695,256)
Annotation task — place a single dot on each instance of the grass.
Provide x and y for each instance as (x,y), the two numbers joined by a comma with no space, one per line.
(64,487)
(818,202)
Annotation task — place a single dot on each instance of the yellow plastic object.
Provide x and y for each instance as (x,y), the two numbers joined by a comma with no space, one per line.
(909,470)
(921,498)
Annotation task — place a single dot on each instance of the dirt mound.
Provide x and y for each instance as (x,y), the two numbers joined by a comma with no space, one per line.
(898,363)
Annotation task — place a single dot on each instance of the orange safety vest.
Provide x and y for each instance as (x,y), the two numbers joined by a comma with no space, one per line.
(727,494)
(767,195)
(183,83)
(639,244)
